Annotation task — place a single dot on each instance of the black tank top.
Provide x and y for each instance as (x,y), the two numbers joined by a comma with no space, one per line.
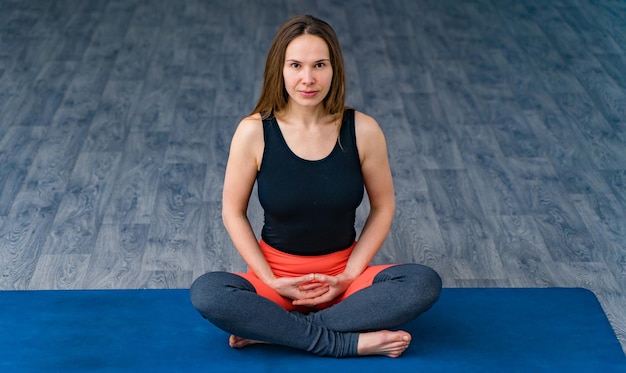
(310,206)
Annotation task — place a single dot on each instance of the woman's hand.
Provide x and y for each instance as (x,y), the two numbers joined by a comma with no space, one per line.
(299,288)
(333,287)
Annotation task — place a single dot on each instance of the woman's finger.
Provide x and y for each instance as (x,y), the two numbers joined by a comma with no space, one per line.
(312,285)
(325,278)
(313,293)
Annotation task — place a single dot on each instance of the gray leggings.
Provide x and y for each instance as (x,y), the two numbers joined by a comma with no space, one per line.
(398,294)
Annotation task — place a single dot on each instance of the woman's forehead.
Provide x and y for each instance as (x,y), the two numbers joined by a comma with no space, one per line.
(307,47)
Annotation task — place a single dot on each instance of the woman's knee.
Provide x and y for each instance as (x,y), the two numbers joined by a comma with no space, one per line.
(210,290)
(201,291)
(422,280)
(431,282)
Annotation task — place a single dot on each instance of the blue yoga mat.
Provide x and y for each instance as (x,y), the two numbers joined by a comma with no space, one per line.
(482,330)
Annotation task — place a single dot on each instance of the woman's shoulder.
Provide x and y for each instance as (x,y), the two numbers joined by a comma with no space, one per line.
(365,124)
(249,131)
(370,138)
(251,125)
(253,121)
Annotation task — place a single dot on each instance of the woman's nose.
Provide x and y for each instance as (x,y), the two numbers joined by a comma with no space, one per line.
(308,76)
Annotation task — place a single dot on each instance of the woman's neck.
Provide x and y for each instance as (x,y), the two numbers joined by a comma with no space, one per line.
(307,116)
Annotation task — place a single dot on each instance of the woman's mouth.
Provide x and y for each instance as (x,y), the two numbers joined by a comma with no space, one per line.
(308,94)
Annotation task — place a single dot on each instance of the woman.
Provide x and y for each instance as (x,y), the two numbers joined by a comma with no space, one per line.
(310,284)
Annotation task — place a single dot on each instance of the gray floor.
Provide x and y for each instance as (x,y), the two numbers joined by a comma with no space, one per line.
(505,120)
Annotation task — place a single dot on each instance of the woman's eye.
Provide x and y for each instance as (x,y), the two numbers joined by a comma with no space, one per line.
(320,64)
(295,65)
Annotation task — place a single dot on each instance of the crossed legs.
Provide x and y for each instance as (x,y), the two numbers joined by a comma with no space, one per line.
(357,325)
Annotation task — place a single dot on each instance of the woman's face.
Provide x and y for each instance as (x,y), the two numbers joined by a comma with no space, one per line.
(307,70)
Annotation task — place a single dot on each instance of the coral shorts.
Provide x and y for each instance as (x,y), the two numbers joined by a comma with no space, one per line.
(289,265)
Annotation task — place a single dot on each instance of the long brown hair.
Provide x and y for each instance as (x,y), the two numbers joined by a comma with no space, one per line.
(274,96)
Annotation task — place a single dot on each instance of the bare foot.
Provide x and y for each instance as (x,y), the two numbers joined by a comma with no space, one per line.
(238,342)
(384,342)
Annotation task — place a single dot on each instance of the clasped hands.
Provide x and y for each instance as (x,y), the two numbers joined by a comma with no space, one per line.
(312,289)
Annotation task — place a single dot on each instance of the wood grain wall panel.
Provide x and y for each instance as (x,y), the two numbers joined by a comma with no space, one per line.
(189,139)
(110,125)
(116,261)
(177,219)
(603,141)
(81,209)
(59,271)
(17,150)
(52,166)
(466,235)
(162,279)
(156,106)
(214,250)
(46,94)
(22,238)
(490,173)
(136,183)
(572,160)
(604,215)
(617,182)
(434,137)
(416,235)
(525,257)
